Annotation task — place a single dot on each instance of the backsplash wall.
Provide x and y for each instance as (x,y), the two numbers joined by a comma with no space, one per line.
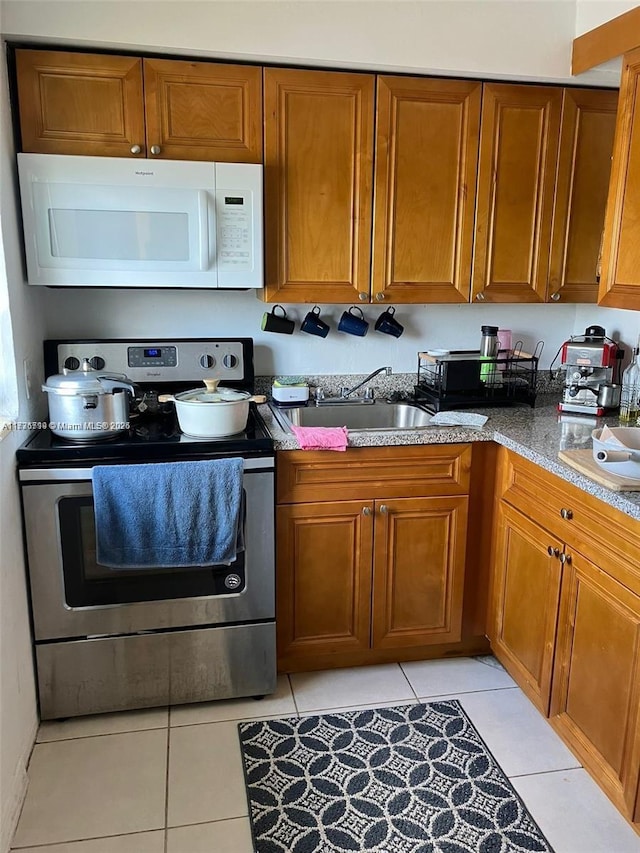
(77,313)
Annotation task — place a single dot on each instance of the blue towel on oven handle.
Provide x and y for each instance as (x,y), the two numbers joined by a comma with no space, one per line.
(162,515)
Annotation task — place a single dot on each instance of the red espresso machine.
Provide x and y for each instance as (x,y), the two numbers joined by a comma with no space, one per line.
(590,362)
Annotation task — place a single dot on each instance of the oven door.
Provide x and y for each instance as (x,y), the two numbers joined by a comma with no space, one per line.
(73,596)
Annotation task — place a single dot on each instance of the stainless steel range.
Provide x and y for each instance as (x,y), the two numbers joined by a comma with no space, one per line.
(110,639)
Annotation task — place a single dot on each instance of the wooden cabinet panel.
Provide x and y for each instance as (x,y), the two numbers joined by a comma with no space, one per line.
(203,110)
(596,696)
(323,577)
(620,280)
(584,167)
(516,178)
(370,472)
(80,103)
(526,592)
(418,571)
(318,181)
(427,135)
(574,516)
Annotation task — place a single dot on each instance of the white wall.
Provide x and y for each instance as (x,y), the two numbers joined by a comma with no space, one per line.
(18,713)
(518,39)
(77,313)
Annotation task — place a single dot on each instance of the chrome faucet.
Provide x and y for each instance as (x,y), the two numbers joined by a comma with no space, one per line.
(347,392)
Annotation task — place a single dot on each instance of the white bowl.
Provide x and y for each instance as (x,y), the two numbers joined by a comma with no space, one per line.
(621,456)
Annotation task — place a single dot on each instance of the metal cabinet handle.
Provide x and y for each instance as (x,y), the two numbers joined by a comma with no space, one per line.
(565,558)
(155,149)
(135,149)
(366,510)
(555,296)
(480,297)
(363,297)
(566,513)
(553,552)
(380,297)
(384,509)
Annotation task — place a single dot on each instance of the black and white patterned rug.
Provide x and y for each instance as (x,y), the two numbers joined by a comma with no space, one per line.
(413,779)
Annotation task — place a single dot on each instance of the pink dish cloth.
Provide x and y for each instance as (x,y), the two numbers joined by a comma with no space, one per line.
(321,438)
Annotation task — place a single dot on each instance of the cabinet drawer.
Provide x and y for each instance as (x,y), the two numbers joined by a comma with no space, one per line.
(598,530)
(368,473)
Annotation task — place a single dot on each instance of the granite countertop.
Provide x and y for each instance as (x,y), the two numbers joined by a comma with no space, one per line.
(538,434)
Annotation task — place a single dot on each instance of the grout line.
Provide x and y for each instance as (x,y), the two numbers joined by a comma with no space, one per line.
(99,734)
(544,772)
(406,677)
(293,694)
(59,844)
(166,793)
(206,823)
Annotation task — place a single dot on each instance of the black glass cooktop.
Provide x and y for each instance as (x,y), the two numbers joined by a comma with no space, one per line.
(155,437)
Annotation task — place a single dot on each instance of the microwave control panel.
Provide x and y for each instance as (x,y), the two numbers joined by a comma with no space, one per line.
(235,229)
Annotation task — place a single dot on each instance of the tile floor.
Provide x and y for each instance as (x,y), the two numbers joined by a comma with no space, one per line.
(170,780)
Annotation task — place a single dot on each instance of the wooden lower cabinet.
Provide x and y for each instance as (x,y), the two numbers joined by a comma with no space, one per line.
(384,573)
(596,691)
(525,603)
(324,577)
(418,571)
(380,574)
(567,626)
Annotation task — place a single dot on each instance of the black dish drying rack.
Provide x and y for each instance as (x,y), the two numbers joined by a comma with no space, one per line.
(463,378)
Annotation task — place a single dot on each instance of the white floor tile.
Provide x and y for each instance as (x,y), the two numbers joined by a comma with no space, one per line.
(92,787)
(457,675)
(574,814)
(516,733)
(140,842)
(340,688)
(397,703)
(223,836)
(278,704)
(103,724)
(206,780)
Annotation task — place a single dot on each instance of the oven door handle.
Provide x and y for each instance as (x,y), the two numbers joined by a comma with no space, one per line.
(40,475)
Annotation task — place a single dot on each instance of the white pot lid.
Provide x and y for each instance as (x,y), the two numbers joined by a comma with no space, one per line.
(221,395)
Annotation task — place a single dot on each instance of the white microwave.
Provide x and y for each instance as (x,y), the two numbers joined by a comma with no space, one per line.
(119,222)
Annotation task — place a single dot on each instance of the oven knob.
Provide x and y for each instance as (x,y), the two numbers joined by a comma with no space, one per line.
(97,362)
(72,363)
(207,361)
(230,361)
(232,581)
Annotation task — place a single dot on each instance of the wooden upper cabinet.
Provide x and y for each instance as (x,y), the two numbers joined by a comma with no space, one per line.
(80,103)
(620,279)
(203,110)
(516,180)
(96,104)
(318,185)
(584,168)
(427,136)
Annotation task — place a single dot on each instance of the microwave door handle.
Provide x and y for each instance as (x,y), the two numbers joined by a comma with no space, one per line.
(206,216)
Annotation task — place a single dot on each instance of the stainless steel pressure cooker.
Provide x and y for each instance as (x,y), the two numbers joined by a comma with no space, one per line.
(85,405)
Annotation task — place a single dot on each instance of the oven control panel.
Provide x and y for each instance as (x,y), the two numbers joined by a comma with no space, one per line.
(158,361)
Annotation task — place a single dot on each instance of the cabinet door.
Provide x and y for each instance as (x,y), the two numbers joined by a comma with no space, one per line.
(596,694)
(203,111)
(318,180)
(516,179)
(620,280)
(526,591)
(427,136)
(418,571)
(324,553)
(80,103)
(584,167)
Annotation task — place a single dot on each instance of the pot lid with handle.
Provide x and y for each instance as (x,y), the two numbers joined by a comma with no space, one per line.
(219,395)
(86,381)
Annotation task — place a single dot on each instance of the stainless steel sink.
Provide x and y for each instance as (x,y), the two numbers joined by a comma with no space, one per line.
(380,415)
